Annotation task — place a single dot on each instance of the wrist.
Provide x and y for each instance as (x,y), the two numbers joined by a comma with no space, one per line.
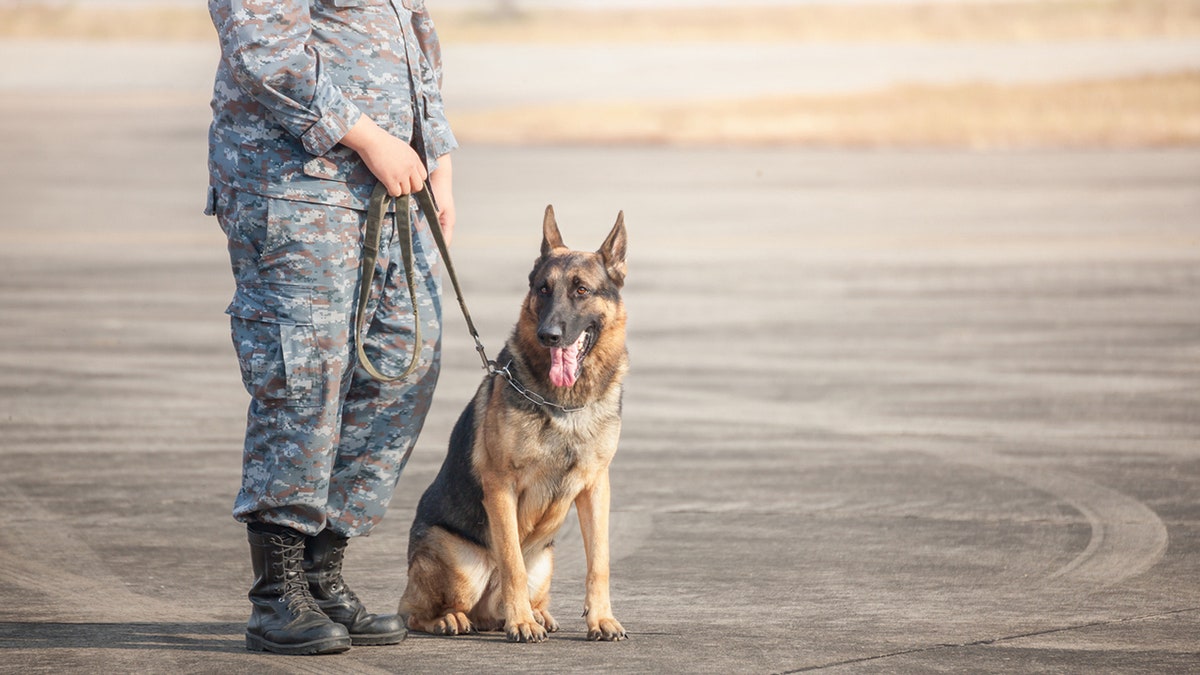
(362,135)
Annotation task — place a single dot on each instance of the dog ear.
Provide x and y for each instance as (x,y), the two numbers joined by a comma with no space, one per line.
(612,251)
(551,239)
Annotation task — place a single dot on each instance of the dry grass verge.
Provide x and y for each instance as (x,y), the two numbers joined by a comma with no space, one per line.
(995,21)
(1152,111)
(1146,111)
(933,22)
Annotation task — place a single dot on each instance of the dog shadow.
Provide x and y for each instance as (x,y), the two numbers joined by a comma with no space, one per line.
(197,637)
(499,637)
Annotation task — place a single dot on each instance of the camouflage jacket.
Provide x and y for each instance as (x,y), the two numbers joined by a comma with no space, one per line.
(295,75)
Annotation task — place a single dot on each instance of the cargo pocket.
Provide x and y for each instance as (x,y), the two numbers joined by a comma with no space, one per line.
(276,344)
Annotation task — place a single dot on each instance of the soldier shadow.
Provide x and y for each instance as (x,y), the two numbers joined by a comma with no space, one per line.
(198,637)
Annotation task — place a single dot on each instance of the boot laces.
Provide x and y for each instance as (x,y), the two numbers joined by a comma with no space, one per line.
(295,584)
(337,584)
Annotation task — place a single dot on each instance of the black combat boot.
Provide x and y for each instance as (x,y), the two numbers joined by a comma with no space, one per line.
(285,618)
(323,565)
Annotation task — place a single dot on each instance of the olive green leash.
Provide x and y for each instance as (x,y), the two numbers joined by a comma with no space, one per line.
(376,213)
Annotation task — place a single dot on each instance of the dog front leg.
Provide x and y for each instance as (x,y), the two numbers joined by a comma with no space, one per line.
(592,505)
(500,502)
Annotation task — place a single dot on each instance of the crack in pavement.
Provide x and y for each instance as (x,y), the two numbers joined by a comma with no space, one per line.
(991,641)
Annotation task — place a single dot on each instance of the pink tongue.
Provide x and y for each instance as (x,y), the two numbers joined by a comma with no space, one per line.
(564,364)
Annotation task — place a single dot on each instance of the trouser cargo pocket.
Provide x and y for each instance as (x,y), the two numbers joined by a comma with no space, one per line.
(276,344)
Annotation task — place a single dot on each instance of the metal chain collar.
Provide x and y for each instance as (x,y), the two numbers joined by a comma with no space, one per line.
(531,396)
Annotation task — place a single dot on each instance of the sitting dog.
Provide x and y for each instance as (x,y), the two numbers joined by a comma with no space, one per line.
(537,437)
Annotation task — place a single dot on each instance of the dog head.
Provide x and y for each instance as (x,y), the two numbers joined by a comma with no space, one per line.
(574,298)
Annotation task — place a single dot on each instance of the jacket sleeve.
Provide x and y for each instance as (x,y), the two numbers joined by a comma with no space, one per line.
(265,45)
(441,139)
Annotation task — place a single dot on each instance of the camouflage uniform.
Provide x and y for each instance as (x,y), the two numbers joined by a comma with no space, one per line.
(325,444)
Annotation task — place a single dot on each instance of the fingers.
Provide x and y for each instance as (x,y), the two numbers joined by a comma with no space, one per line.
(393,163)
(407,182)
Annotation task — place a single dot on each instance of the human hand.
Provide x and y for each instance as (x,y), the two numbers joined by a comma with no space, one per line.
(392,161)
(441,182)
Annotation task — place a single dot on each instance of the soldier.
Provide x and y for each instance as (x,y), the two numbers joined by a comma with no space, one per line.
(314,102)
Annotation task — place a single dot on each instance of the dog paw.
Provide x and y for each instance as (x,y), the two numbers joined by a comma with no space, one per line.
(454,623)
(545,620)
(606,630)
(525,631)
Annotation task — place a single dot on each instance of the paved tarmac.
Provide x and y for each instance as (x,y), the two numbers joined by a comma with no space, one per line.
(889,412)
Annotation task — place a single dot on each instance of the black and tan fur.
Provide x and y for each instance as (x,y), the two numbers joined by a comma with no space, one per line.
(481,549)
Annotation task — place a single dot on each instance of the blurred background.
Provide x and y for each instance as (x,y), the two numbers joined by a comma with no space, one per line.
(857,73)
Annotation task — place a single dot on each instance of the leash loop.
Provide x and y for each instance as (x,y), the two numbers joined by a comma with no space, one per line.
(376,214)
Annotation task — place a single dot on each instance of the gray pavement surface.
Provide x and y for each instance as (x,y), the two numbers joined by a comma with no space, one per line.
(889,411)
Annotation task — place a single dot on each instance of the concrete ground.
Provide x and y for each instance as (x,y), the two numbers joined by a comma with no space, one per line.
(889,411)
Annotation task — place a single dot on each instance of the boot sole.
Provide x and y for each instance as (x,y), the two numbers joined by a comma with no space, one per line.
(333,645)
(367,640)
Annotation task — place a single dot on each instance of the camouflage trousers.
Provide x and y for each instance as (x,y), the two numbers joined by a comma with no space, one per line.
(325,443)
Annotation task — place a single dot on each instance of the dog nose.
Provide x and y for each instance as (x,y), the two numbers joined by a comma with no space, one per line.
(550,336)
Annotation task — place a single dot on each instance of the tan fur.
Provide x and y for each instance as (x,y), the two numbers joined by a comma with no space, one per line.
(532,467)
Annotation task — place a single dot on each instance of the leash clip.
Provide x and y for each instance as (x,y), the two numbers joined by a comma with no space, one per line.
(488,364)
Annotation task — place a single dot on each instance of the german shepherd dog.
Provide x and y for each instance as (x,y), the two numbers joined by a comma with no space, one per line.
(537,437)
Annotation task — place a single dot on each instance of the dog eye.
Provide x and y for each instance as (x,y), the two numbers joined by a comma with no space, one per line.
(582,290)
(544,290)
